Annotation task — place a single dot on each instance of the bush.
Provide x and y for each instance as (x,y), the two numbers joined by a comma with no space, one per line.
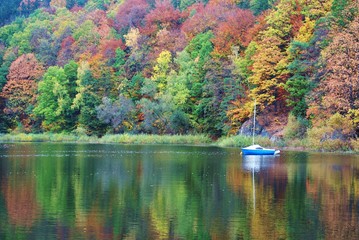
(333,135)
(354,143)
(296,128)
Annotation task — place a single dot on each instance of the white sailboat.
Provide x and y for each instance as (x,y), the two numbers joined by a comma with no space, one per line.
(256,149)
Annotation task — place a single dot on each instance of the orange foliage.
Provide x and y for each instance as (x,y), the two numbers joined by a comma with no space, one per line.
(338,90)
(58,3)
(25,67)
(20,89)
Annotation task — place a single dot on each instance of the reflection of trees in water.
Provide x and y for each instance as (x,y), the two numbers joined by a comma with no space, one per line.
(19,192)
(107,195)
(334,185)
(20,200)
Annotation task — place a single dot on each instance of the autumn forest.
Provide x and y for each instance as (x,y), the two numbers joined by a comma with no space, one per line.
(99,67)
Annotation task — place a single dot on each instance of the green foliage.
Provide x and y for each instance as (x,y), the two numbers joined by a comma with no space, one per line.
(258,6)
(296,128)
(157,113)
(108,138)
(54,101)
(180,123)
(4,69)
(243,63)
(344,11)
(7,31)
(86,101)
(298,87)
(70,71)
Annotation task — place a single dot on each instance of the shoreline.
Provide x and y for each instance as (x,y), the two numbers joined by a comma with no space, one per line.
(150,139)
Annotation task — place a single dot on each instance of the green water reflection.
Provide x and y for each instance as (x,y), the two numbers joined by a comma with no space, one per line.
(89,191)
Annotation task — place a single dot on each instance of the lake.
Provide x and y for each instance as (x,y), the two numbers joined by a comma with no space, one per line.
(99,191)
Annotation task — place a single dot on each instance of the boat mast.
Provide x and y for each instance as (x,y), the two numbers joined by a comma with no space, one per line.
(254,121)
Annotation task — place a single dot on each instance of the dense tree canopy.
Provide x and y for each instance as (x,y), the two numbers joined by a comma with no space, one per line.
(175,66)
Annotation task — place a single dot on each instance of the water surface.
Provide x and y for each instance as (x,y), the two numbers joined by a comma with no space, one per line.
(94,191)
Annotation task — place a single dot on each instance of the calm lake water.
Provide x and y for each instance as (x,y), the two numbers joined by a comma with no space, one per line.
(90,191)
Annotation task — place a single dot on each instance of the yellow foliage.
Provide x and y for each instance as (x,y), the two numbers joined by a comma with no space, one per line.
(160,71)
(306,31)
(131,38)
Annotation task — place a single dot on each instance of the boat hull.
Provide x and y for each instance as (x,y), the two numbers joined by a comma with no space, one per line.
(258,151)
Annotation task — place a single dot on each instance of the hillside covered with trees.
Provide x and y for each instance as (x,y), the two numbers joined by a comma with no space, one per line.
(180,67)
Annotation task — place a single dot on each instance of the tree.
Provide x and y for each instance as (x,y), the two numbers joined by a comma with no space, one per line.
(164,16)
(338,90)
(344,11)
(20,90)
(270,61)
(88,97)
(299,85)
(53,101)
(161,70)
(258,6)
(43,45)
(118,113)
(232,31)
(131,14)
(7,10)
(157,114)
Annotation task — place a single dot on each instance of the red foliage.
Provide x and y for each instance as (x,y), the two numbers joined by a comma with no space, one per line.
(164,16)
(101,21)
(65,54)
(67,42)
(131,14)
(173,41)
(75,9)
(204,19)
(296,19)
(260,25)
(229,24)
(233,30)
(108,48)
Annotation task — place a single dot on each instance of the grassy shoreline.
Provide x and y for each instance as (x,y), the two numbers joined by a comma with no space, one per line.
(200,139)
(110,138)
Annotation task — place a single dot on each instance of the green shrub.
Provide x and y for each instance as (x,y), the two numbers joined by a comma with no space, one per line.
(296,128)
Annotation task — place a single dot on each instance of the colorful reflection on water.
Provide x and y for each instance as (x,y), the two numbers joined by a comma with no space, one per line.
(90,191)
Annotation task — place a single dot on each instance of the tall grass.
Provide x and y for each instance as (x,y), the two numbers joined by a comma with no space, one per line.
(118,138)
(156,139)
(243,141)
